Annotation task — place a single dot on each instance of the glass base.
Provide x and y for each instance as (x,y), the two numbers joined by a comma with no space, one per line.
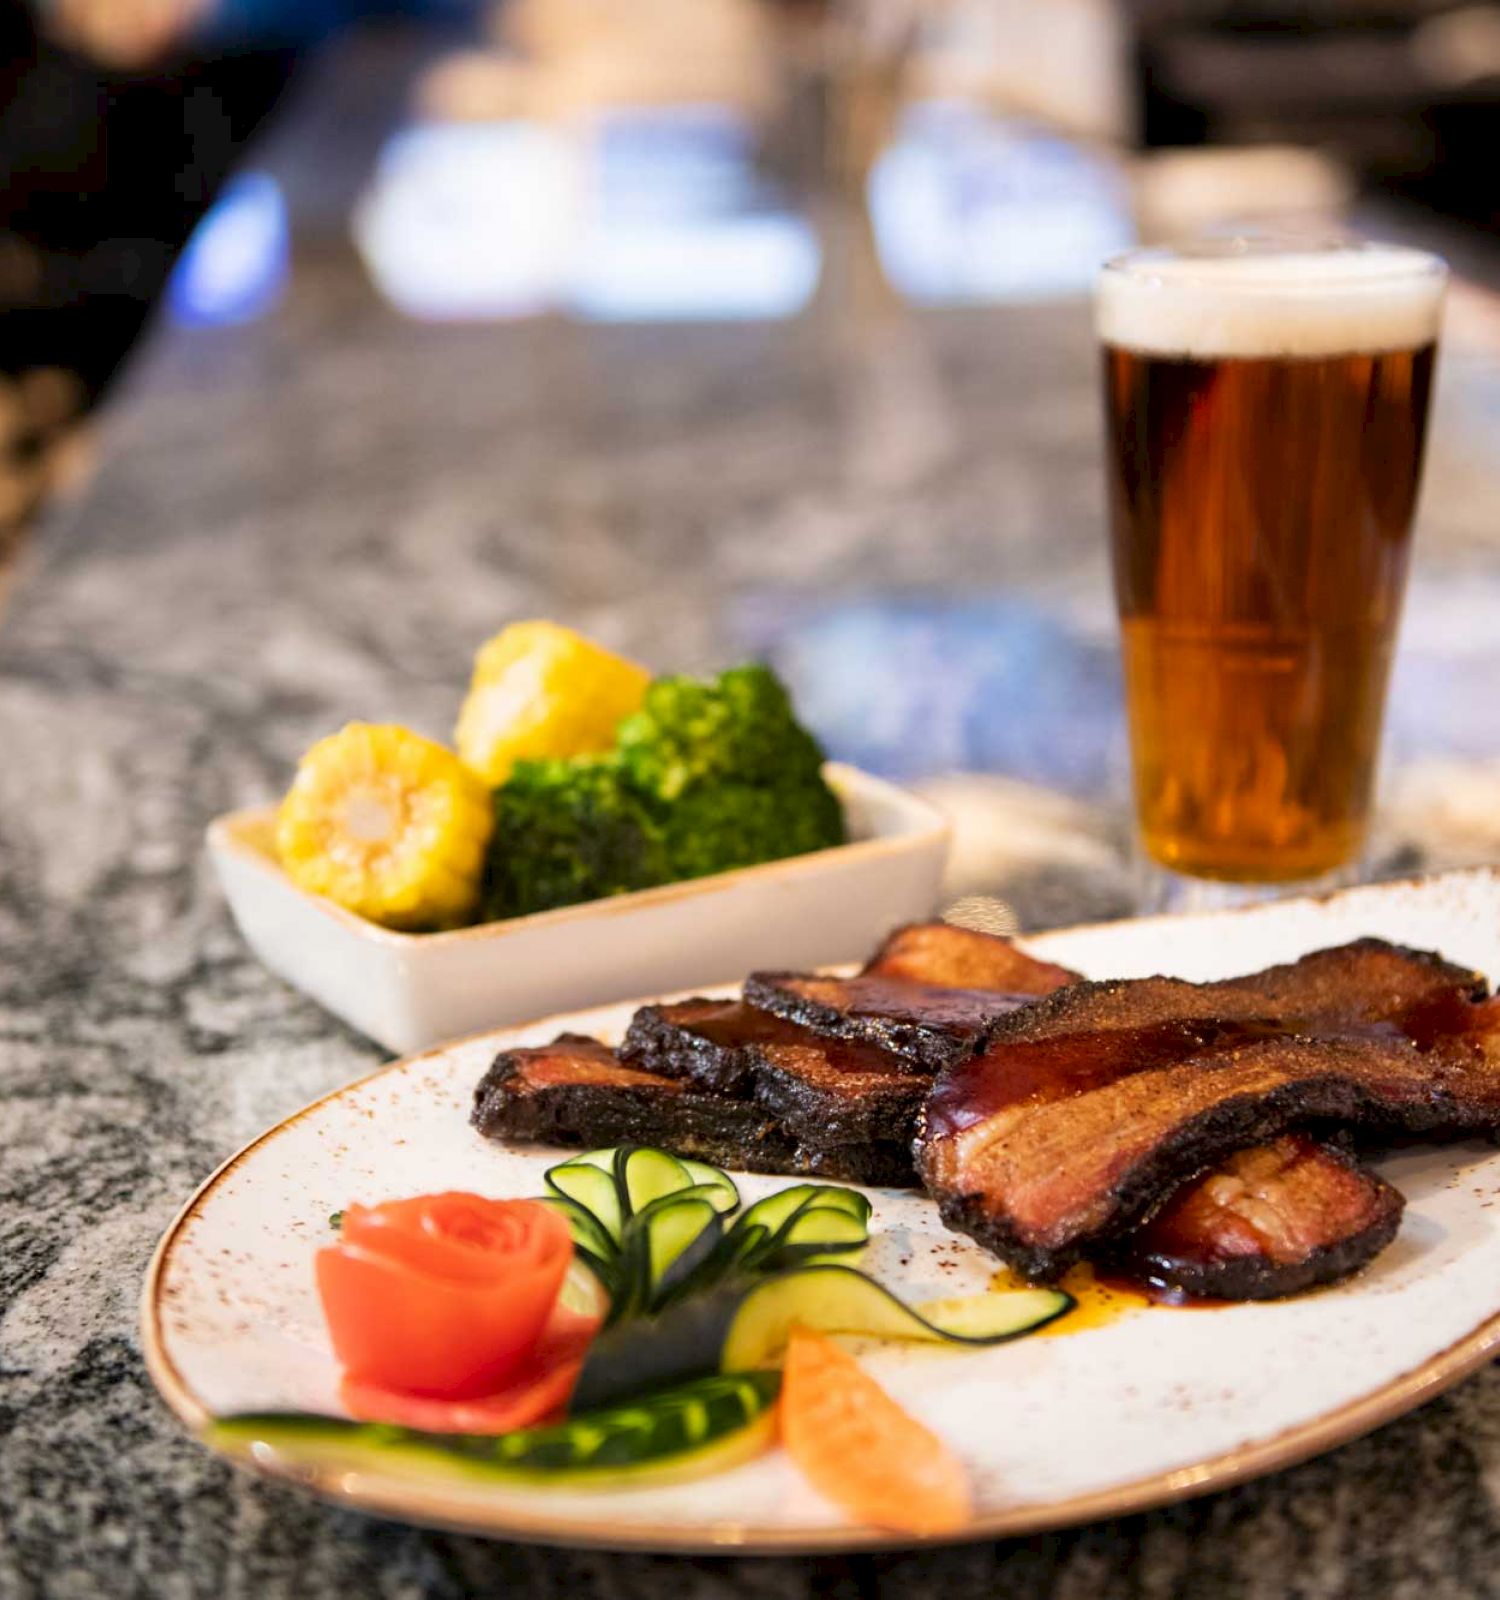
(1159,890)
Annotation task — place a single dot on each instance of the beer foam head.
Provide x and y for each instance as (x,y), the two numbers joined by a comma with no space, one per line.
(1245,298)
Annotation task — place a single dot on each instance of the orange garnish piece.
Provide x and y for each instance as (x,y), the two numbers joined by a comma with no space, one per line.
(861,1450)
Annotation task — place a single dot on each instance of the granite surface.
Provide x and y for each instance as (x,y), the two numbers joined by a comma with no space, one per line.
(317,517)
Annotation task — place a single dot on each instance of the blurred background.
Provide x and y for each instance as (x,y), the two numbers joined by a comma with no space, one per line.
(998,145)
(680,158)
(634,239)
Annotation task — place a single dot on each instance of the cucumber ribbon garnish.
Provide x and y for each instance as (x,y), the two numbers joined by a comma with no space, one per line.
(703,1295)
(695,1288)
(706,1425)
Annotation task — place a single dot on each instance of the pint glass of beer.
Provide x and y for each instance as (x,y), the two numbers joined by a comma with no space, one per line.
(1266,405)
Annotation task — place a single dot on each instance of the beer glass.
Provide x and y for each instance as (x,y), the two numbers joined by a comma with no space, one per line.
(1266,406)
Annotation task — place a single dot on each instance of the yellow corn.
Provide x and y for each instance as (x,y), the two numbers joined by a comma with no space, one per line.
(540,690)
(389,825)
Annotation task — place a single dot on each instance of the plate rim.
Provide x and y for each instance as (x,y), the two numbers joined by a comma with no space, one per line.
(430,1508)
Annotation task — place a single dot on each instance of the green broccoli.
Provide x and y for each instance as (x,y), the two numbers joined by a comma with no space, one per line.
(716,826)
(706,776)
(568,831)
(738,725)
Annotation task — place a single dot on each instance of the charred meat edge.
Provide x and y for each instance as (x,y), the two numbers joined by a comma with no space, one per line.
(827,1091)
(602,1102)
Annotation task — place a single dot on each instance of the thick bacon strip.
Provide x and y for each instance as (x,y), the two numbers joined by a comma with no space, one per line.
(836,1082)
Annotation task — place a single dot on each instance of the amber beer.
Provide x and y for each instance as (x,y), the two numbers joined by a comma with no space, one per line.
(1266,409)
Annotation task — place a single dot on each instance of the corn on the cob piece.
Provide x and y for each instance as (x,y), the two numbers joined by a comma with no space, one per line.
(540,690)
(389,825)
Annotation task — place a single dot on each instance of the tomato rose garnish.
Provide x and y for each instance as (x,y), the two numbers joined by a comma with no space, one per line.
(443,1295)
(537,1391)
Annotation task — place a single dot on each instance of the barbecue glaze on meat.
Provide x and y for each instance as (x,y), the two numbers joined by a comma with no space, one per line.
(748,1088)
(1271,1220)
(1144,1123)
(1083,1113)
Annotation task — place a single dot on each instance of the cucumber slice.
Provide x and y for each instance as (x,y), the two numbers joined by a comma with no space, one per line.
(585,1291)
(741,1324)
(595,1190)
(680,1231)
(704,1176)
(650,1227)
(694,1428)
(830,1197)
(825,1228)
(980,1317)
(644,1353)
(644,1175)
(837,1299)
(670,1228)
(588,1236)
(603,1159)
(788,1228)
(775,1210)
(661,1248)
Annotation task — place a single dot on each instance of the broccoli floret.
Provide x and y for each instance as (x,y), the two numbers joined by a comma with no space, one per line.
(717,826)
(568,831)
(705,777)
(739,725)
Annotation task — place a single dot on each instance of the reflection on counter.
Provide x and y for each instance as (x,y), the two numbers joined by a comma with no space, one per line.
(912,685)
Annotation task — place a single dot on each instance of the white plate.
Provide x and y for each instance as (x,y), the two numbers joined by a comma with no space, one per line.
(1152,1407)
(412,990)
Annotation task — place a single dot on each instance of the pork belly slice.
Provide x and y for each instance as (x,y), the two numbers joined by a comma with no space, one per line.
(925,1024)
(1042,1184)
(1083,1112)
(575,1092)
(1273,1220)
(962,958)
(926,995)
(825,1091)
(830,1082)
(715,1043)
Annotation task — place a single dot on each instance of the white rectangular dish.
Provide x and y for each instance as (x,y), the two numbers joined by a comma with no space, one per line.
(412,990)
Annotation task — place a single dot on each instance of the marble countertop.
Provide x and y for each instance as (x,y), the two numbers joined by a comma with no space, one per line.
(317,517)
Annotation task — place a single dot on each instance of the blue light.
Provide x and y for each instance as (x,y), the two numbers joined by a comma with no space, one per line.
(235,266)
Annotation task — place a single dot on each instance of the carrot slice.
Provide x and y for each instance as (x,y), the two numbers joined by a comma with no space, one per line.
(859,1449)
